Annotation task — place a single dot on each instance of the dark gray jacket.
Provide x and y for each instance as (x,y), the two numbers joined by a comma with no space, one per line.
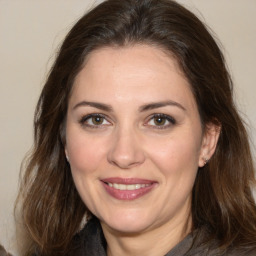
(91,242)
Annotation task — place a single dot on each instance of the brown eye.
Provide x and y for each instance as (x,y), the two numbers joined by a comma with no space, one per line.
(159,120)
(94,121)
(97,120)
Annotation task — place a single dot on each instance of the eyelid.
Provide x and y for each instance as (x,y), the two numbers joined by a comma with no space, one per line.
(169,118)
(85,118)
(171,121)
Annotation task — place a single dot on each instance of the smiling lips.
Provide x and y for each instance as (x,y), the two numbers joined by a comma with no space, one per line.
(127,189)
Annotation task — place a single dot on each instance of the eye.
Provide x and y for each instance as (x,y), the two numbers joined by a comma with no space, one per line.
(94,121)
(161,121)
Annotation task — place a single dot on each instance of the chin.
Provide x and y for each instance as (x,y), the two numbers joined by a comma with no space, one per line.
(128,222)
(127,228)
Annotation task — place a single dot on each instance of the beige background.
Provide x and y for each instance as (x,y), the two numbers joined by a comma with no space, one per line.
(31,30)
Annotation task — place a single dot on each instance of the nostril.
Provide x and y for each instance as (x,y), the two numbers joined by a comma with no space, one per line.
(126,150)
(126,164)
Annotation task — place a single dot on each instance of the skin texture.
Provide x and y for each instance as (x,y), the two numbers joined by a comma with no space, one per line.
(127,142)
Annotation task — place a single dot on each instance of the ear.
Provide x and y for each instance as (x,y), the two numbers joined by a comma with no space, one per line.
(209,143)
(66,153)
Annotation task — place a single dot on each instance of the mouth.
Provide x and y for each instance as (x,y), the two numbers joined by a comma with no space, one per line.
(127,189)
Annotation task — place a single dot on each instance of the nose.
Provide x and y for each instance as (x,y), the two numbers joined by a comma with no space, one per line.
(126,149)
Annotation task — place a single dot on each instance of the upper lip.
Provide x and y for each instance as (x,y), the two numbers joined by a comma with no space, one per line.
(127,181)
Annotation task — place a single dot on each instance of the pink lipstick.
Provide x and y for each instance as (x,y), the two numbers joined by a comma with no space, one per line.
(127,188)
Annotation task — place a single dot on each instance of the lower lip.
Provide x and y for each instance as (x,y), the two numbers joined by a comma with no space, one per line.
(128,194)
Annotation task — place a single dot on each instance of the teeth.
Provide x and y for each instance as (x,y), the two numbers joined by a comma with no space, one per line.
(127,187)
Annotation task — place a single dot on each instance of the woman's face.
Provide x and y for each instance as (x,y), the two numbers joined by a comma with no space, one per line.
(134,139)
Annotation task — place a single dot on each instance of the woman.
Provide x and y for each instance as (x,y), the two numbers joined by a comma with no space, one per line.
(136,132)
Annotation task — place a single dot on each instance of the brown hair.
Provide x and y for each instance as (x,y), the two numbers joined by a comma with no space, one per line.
(222,200)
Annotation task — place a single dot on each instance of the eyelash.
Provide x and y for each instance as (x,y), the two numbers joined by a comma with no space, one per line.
(167,118)
(84,121)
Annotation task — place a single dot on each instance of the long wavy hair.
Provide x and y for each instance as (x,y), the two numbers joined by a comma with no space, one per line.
(51,208)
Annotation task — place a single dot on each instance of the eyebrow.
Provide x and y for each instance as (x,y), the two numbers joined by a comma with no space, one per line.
(101,106)
(155,105)
(143,108)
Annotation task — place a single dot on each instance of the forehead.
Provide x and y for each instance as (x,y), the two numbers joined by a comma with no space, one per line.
(148,58)
(140,72)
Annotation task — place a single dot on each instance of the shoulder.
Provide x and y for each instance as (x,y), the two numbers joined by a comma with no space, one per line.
(242,251)
(204,245)
(208,251)
(89,241)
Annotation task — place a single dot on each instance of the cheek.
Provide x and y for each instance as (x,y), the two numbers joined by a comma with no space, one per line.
(85,152)
(176,156)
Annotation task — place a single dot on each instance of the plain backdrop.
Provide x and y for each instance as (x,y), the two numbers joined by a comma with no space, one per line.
(30,33)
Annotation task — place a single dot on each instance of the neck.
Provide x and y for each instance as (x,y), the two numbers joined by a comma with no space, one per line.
(163,239)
